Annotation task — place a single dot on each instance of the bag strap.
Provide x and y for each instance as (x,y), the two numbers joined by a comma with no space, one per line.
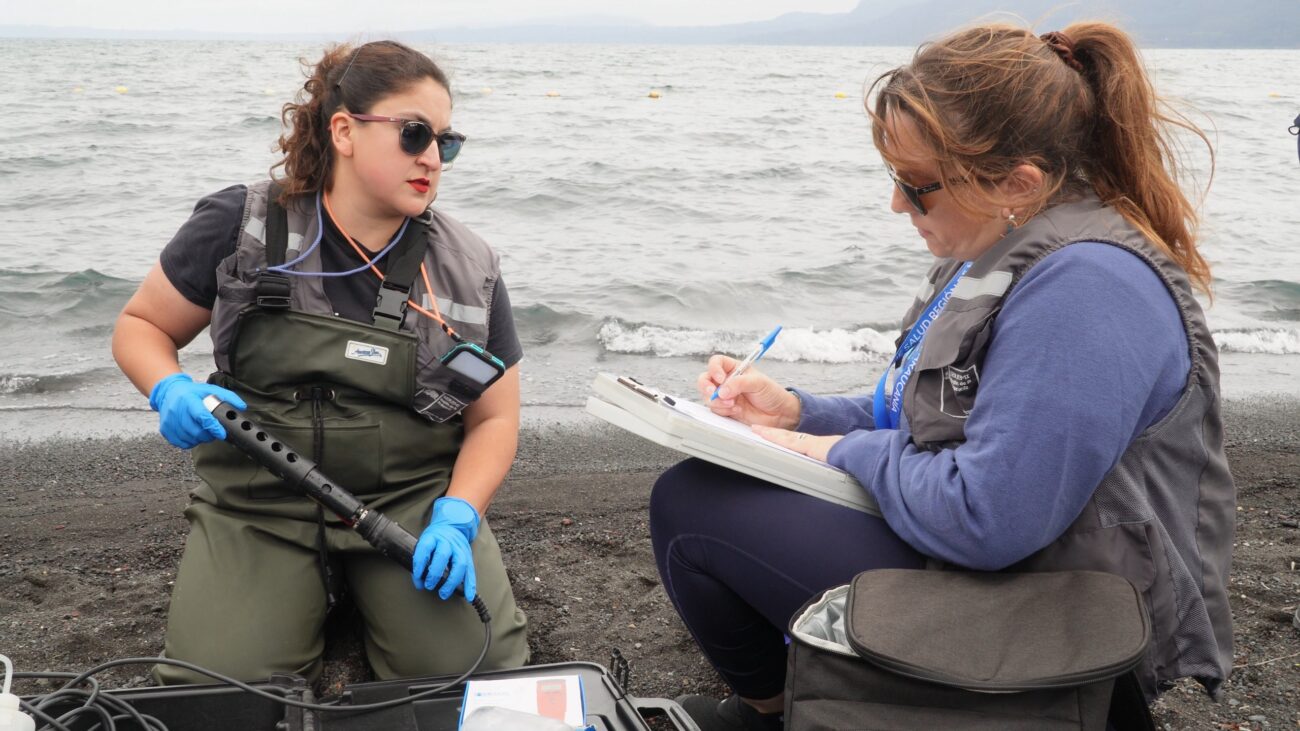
(273,288)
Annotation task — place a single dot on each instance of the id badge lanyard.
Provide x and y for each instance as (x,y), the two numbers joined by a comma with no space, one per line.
(888,411)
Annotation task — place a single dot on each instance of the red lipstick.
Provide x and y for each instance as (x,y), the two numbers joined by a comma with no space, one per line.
(420,184)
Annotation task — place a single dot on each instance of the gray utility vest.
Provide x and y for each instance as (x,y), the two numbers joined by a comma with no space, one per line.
(462,268)
(1163,517)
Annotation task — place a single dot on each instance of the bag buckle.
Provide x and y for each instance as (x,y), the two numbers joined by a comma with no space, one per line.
(390,307)
(273,290)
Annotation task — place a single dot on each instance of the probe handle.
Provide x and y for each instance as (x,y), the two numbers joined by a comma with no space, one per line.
(390,538)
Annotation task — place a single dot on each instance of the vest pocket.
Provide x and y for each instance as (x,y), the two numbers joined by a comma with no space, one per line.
(943,388)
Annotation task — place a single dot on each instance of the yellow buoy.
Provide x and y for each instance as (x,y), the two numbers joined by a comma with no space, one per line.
(654,94)
(268,91)
(121,89)
(1275,95)
(841,95)
(485,90)
(552,93)
(77,90)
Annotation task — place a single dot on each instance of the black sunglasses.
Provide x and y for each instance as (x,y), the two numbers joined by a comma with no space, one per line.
(416,136)
(913,193)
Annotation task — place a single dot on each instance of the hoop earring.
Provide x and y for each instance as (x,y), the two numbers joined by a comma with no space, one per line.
(1011,222)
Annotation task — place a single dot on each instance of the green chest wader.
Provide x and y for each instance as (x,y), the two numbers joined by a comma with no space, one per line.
(353,417)
(299,377)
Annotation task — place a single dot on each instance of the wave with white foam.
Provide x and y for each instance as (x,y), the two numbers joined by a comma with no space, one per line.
(14,384)
(838,345)
(806,345)
(1270,341)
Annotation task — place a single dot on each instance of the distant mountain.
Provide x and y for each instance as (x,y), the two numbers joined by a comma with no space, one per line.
(1155,23)
(1165,23)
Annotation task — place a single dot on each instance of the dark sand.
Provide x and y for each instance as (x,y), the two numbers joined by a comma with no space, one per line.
(91,531)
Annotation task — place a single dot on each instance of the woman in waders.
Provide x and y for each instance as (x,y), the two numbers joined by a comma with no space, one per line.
(373,333)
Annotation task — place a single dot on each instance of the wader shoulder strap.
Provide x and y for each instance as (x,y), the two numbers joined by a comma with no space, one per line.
(404,265)
(273,287)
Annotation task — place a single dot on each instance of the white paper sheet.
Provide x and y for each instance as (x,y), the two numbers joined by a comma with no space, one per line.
(701,413)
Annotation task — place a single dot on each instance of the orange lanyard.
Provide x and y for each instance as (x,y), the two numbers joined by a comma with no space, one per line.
(433,299)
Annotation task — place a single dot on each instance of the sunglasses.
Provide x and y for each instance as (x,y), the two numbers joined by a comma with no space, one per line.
(913,193)
(416,136)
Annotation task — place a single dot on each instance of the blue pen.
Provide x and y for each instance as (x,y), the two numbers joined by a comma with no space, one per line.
(749,360)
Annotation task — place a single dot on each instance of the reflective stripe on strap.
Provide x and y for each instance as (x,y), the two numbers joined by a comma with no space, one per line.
(255,228)
(994,284)
(467,314)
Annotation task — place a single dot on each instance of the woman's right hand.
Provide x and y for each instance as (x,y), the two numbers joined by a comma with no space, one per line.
(183,419)
(750,398)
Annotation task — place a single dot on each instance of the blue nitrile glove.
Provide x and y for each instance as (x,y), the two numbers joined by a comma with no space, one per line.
(446,540)
(183,419)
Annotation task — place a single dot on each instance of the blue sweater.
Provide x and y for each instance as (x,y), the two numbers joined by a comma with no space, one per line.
(1088,351)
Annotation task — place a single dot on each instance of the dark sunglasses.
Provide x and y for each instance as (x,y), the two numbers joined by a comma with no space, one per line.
(913,193)
(416,136)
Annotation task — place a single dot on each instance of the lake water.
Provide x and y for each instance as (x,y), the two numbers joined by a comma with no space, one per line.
(636,234)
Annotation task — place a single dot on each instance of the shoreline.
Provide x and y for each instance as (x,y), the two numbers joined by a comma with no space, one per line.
(28,426)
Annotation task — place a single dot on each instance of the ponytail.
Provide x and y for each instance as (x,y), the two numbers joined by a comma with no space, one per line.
(308,160)
(345,77)
(1131,161)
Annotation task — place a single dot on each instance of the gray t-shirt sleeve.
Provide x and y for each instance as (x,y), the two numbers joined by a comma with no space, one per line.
(190,259)
(503,339)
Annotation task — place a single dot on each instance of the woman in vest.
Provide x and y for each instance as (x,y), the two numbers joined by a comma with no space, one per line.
(338,303)
(1054,399)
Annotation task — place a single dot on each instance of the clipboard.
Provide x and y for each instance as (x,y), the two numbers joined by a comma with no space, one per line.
(690,428)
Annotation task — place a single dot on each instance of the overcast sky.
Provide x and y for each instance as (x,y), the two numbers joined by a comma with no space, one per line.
(361,16)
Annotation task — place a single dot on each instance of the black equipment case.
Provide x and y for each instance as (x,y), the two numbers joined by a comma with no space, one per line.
(224,708)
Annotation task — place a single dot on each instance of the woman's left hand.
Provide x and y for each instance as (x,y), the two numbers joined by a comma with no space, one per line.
(444,547)
(807,444)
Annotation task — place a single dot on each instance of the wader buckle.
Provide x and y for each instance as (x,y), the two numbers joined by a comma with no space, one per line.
(272,290)
(390,306)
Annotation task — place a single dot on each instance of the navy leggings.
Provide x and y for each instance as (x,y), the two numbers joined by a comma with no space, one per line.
(738,556)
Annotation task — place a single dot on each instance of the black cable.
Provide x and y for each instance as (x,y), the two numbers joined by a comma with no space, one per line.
(94,698)
(365,707)
(52,699)
(125,710)
(104,716)
(149,723)
(39,715)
